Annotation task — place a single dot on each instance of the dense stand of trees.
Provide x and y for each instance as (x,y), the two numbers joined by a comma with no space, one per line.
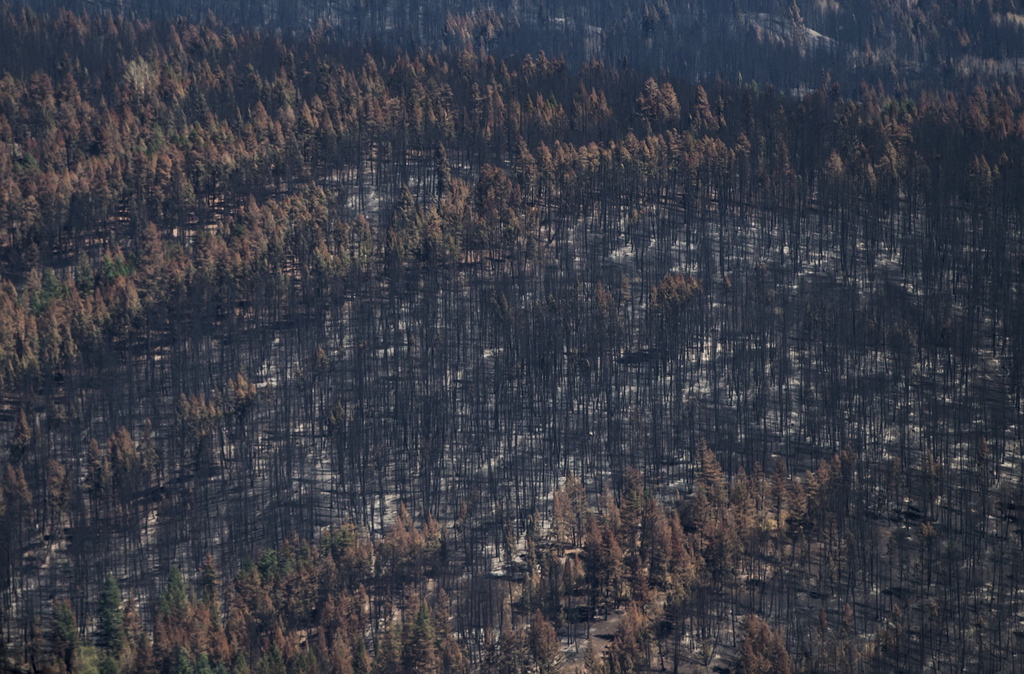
(786,42)
(446,359)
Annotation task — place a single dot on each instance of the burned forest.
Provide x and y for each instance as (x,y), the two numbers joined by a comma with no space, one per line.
(350,338)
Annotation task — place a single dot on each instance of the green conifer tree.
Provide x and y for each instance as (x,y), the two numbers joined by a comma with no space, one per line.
(110,620)
(420,652)
(65,633)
